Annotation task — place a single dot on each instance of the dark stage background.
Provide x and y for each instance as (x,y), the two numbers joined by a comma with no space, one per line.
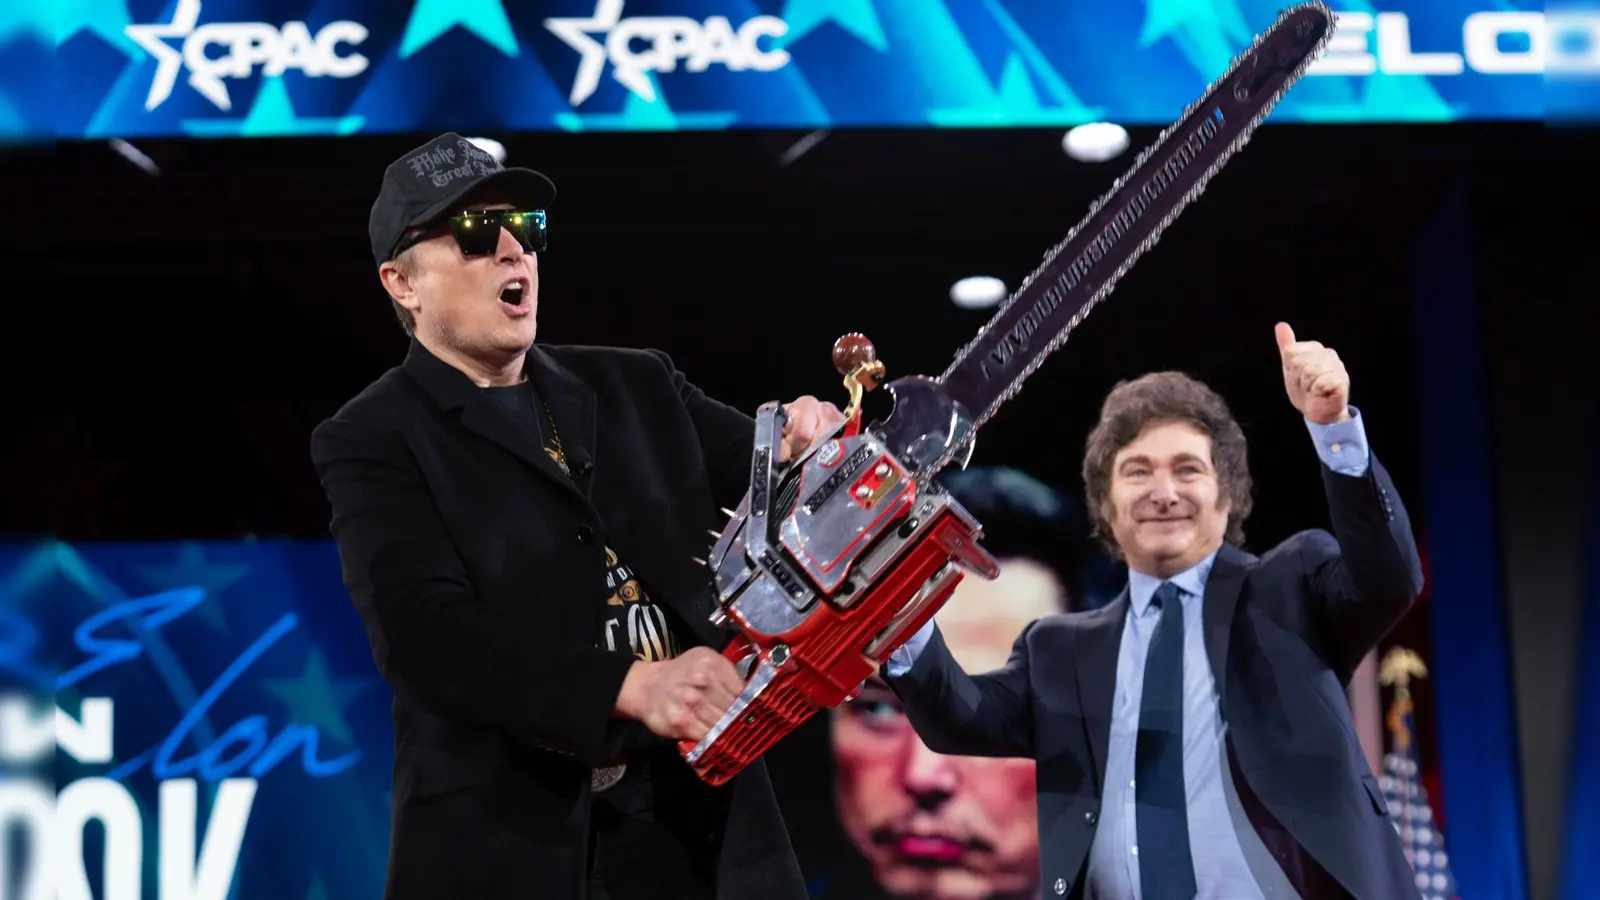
(247,307)
(174,339)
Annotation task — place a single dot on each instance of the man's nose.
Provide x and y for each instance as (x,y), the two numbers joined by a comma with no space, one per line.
(930,778)
(507,250)
(1163,489)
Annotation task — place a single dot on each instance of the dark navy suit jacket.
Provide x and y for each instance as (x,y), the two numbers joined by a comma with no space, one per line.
(1283,633)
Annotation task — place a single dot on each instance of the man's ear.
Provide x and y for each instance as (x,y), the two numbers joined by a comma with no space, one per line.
(398,278)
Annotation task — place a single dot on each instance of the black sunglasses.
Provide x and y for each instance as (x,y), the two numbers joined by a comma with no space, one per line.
(477,233)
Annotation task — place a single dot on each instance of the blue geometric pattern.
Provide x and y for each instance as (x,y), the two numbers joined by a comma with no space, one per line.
(484,18)
(107,19)
(365,66)
(855,17)
(272,115)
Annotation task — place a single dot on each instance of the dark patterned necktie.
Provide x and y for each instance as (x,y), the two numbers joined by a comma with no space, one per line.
(1166,869)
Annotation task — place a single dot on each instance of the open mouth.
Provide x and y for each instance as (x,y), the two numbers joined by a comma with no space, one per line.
(517,295)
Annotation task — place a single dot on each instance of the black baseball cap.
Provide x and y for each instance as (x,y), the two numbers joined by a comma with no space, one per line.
(431,179)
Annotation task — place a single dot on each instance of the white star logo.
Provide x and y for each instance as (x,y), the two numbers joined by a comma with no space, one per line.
(575,33)
(168,61)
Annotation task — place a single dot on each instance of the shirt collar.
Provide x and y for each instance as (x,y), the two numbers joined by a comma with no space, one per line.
(1192,581)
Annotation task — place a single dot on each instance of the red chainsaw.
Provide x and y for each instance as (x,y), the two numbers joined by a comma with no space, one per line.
(833,560)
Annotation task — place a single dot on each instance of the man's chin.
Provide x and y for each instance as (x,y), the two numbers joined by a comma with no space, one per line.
(516,341)
(1174,547)
(1163,559)
(907,881)
(904,882)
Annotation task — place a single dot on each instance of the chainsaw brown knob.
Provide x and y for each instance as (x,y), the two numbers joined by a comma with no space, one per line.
(851,351)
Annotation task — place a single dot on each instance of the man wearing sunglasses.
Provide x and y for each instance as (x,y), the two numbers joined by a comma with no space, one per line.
(516,524)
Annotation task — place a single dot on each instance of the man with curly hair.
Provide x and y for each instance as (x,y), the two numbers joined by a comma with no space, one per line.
(1193,738)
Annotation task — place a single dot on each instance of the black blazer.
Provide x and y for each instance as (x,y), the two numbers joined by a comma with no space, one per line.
(1283,633)
(478,569)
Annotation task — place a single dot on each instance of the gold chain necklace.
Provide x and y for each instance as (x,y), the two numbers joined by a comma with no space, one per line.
(561,455)
(555,433)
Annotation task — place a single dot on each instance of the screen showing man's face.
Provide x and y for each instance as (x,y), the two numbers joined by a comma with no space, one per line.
(936,827)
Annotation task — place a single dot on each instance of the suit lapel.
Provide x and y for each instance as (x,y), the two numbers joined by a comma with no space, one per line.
(570,403)
(1096,648)
(1221,600)
(486,419)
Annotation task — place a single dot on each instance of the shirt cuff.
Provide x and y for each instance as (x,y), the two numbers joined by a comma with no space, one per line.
(902,659)
(1342,446)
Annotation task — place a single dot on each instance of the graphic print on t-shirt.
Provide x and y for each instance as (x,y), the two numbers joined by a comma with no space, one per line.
(630,615)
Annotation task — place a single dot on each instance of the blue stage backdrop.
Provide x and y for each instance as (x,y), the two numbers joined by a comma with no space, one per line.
(222,728)
(212,68)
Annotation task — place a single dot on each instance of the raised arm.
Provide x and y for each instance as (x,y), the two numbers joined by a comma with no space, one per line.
(1365,579)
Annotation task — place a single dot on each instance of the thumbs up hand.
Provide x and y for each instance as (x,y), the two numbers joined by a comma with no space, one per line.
(1314,377)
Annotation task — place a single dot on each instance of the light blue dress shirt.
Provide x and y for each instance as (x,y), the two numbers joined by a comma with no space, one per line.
(1229,859)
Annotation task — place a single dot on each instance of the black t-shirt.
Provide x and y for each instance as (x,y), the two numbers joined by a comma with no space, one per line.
(633,623)
(653,833)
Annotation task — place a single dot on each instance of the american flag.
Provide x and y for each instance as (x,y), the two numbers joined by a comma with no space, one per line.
(1402,786)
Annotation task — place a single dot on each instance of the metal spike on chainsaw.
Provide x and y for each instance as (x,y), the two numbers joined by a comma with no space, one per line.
(728,512)
(714,535)
(698,561)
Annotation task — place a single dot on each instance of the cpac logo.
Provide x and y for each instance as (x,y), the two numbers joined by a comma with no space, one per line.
(248,45)
(668,39)
(1367,44)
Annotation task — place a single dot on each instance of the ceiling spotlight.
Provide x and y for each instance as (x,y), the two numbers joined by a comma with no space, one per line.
(134,155)
(1095,142)
(491,147)
(977,292)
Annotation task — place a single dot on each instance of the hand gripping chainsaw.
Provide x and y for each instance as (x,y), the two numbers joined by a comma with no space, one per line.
(832,561)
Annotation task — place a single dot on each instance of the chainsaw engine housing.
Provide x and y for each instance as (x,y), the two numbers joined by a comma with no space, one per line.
(825,569)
